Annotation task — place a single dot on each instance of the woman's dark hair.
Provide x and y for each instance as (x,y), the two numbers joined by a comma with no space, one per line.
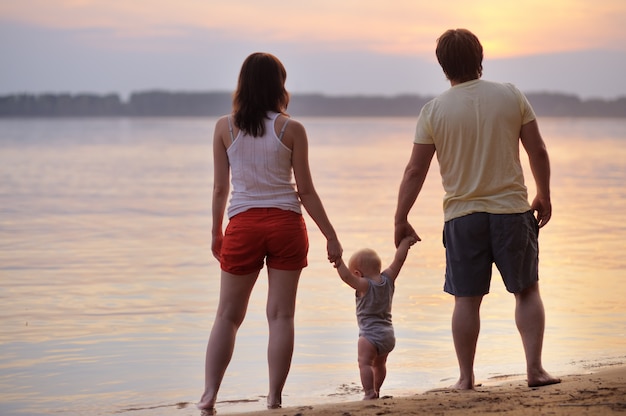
(261,88)
(460,55)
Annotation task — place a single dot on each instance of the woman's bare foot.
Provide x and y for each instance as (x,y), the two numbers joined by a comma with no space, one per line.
(273,404)
(370,396)
(206,409)
(274,401)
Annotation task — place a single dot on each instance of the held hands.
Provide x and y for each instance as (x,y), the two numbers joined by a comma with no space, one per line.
(543,209)
(334,249)
(405,230)
(408,240)
(338,262)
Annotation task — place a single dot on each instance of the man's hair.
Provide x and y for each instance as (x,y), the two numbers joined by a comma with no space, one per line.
(460,55)
(261,88)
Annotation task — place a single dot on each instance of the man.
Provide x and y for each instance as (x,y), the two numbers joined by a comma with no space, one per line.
(475,128)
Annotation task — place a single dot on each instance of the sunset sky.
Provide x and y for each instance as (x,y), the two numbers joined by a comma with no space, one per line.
(331,47)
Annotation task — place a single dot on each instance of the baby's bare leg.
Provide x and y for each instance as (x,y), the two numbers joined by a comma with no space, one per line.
(380,371)
(367,357)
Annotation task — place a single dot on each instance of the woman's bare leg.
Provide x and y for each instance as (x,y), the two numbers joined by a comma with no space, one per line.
(281,308)
(234,295)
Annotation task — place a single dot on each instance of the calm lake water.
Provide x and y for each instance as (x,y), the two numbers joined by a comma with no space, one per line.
(109,289)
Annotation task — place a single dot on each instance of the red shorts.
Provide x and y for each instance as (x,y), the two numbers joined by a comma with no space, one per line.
(258,233)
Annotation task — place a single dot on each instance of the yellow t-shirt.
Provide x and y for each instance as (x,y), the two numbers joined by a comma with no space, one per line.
(475,127)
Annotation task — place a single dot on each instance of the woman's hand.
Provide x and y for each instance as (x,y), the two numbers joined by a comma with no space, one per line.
(216,245)
(335,251)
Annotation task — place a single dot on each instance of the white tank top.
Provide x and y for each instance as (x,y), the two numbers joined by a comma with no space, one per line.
(261,171)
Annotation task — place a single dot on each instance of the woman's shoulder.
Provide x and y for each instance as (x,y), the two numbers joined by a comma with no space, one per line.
(293,125)
(223,127)
(225,117)
(224,120)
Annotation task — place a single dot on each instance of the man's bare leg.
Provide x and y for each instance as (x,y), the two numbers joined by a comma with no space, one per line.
(465,330)
(530,320)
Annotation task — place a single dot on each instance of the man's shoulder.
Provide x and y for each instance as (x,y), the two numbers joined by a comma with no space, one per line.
(500,85)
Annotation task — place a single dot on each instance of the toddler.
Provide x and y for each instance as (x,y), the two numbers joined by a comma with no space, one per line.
(374,293)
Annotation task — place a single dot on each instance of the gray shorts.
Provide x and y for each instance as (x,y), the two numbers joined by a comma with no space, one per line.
(476,241)
(383,338)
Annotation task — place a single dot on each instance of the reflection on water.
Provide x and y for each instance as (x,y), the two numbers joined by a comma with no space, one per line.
(109,289)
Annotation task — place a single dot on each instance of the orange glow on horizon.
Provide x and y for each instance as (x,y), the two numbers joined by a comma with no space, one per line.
(408,27)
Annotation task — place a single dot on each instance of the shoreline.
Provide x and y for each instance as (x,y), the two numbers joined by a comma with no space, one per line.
(599,392)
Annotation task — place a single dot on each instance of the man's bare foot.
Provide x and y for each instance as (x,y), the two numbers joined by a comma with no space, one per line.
(542,379)
(464,384)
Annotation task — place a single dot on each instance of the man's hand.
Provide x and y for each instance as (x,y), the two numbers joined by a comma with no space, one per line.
(543,210)
(403,230)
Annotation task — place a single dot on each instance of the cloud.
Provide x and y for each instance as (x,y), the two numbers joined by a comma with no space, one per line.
(507,28)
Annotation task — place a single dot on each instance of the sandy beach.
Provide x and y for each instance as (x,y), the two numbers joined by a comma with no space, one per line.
(602,392)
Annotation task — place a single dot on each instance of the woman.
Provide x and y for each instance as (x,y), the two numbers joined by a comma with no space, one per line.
(260,147)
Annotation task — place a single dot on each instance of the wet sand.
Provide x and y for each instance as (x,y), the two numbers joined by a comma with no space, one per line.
(599,393)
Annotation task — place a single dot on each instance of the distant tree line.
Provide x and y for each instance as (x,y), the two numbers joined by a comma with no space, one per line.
(207,104)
